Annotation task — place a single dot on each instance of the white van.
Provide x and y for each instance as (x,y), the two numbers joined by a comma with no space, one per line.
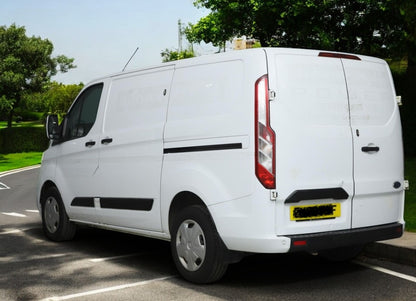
(259,151)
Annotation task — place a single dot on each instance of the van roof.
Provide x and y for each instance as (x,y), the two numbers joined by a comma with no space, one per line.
(233,55)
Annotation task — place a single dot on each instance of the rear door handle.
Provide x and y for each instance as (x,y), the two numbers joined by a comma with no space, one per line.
(106,140)
(369,149)
(89,143)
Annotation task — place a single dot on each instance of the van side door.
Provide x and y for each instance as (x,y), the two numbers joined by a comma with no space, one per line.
(78,154)
(132,149)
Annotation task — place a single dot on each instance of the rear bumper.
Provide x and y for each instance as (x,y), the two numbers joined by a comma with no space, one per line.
(336,239)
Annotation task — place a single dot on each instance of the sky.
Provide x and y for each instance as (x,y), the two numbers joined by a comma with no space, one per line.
(101,35)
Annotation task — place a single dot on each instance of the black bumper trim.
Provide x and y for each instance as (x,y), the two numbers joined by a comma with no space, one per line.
(337,193)
(335,239)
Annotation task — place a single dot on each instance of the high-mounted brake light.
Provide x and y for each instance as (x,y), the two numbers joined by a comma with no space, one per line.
(264,136)
(339,55)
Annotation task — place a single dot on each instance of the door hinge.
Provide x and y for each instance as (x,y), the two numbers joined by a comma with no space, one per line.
(399,100)
(406,185)
(272,95)
(273,195)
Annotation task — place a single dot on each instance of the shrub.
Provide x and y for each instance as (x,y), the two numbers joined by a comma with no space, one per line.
(22,139)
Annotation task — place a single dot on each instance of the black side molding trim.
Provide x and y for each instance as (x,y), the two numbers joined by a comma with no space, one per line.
(83,202)
(315,194)
(127,204)
(202,148)
(337,239)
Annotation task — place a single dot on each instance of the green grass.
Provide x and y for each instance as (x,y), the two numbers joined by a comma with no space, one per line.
(410,203)
(3,124)
(13,161)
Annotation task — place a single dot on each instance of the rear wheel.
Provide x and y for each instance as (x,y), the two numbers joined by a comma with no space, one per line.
(55,221)
(197,249)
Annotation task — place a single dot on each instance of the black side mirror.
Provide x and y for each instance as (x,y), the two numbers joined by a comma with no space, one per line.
(52,128)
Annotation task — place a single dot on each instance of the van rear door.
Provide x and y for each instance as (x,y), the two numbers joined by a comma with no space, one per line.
(338,142)
(314,144)
(378,153)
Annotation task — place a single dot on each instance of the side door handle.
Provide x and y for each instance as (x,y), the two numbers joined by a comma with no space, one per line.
(106,140)
(90,143)
(370,149)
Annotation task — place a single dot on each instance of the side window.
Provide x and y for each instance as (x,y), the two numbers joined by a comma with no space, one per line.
(83,113)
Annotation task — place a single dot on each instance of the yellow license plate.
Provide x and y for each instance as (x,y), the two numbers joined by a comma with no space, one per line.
(323,211)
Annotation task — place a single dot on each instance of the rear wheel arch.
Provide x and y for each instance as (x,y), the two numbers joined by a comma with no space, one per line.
(181,201)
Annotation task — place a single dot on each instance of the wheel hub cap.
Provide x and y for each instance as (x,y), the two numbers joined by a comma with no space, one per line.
(190,245)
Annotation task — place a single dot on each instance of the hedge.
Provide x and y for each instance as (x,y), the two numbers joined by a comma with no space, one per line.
(23,139)
(406,87)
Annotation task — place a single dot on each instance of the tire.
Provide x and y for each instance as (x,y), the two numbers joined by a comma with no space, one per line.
(341,254)
(55,222)
(197,249)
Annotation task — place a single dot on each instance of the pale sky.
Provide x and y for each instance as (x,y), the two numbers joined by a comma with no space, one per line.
(102,34)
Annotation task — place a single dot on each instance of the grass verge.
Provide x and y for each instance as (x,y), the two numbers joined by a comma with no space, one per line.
(26,124)
(13,161)
(410,203)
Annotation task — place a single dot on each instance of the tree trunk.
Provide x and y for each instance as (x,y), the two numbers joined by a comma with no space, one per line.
(10,118)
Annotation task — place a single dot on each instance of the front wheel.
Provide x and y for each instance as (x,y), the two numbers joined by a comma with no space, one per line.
(197,249)
(55,222)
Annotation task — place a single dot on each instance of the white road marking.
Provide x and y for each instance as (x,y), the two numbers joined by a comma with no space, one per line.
(3,186)
(107,289)
(13,214)
(32,211)
(11,172)
(114,257)
(386,271)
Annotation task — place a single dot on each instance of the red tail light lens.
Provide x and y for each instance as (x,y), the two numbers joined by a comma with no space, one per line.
(339,56)
(264,136)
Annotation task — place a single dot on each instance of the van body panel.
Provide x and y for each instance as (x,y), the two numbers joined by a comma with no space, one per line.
(375,122)
(335,108)
(77,164)
(210,128)
(204,102)
(311,118)
(131,164)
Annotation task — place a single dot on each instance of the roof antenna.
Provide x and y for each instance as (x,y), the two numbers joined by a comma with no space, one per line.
(130,59)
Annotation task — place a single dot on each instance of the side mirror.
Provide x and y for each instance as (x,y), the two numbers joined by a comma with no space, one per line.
(52,127)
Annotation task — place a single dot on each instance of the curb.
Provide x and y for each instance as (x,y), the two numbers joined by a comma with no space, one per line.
(398,254)
(13,171)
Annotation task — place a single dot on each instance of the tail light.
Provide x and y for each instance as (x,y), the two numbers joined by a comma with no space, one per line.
(264,136)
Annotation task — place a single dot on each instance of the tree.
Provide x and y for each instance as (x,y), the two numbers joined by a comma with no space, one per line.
(173,55)
(373,27)
(56,99)
(26,66)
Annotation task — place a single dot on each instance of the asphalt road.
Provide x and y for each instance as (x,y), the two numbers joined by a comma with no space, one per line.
(103,265)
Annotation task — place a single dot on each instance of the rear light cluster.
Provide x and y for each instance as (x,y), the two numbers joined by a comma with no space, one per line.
(264,136)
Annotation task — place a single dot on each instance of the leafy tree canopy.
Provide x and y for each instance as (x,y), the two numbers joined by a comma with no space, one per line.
(56,98)
(26,66)
(173,55)
(375,27)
